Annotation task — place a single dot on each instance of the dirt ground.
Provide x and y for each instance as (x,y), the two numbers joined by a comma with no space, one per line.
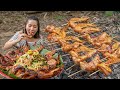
(12,21)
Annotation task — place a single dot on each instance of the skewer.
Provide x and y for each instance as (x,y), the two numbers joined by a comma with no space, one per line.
(94,73)
(75,73)
(65,55)
(83,70)
(70,67)
(52,43)
(58,49)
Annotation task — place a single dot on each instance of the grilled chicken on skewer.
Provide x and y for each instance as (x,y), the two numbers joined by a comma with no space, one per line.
(92,65)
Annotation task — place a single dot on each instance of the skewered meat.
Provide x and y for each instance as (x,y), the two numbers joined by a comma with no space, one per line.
(109,48)
(104,68)
(92,65)
(104,38)
(74,21)
(51,29)
(115,46)
(73,38)
(86,28)
(55,37)
(105,48)
(77,58)
(66,47)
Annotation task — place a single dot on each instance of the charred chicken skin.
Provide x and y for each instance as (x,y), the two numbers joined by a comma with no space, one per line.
(66,46)
(87,53)
(104,38)
(111,59)
(74,21)
(86,30)
(92,65)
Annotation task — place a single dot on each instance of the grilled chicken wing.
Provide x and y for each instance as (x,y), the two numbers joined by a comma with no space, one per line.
(92,65)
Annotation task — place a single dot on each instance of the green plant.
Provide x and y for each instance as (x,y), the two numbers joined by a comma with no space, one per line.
(109,13)
(59,17)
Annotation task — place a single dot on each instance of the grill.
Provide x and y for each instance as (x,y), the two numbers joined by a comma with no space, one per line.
(72,71)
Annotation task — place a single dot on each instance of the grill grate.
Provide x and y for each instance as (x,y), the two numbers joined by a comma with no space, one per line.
(72,71)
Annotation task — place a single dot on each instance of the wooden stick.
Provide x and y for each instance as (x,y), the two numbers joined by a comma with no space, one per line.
(58,49)
(52,43)
(75,73)
(94,73)
(70,67)
(65,55)
(45,15)
(82,70)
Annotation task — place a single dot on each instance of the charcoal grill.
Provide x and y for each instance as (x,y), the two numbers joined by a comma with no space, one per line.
(72,71)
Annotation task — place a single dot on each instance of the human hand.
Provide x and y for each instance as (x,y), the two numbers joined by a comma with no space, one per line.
(21,36)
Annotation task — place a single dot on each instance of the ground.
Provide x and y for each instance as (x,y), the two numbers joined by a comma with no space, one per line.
(12,21)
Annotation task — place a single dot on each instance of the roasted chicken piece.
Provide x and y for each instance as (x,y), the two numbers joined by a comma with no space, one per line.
(26,47)
(115,52)
(23,73)
(105,48)
(12,55)
(110,48)
(17,70)
(5,61)
(66,46)
(45,75)
(73,38)
(115,46)
(55,37)
(86,28)
(56,33)
(39,48)
(29,74)
(74,21)
(104,38)
(52,63)
(105,66)
(49,55)
(92,65)
(51,29)
(86,53)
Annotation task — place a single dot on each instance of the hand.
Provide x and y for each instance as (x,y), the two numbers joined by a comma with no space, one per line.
(21,36)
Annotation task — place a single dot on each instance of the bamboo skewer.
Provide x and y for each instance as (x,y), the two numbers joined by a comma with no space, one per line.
(94,73)
(83,42)
(70,67)
(65,55)
(75,73)
(84,70)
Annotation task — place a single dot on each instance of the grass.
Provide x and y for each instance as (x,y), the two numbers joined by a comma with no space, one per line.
(59,17)
(109,13)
